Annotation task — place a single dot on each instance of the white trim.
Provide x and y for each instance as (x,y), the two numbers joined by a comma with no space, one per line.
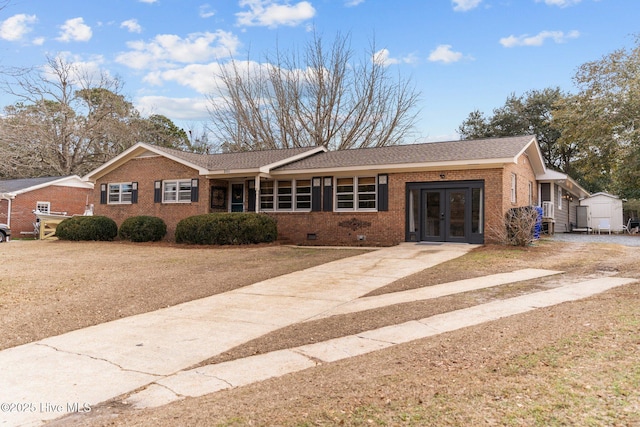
(356,194)
(177,191)
(120,193)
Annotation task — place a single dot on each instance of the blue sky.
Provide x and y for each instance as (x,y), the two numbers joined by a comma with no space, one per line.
(462,54)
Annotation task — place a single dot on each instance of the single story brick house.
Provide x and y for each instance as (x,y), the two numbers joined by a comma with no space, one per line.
(20,197)
(456,191)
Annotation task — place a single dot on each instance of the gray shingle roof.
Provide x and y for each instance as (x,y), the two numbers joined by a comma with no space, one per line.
(235,161)
(12,185)
(434,152)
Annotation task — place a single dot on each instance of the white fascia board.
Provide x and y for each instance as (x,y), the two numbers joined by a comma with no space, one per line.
(67,181)
(532,149)
(402,167)
(268,168)
(132,152)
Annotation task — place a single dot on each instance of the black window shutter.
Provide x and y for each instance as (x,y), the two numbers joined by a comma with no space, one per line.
(316,194)
(195,189)
(383,192)
(134,192)
(251,203)
(103,194)
(327,197)
(157,192)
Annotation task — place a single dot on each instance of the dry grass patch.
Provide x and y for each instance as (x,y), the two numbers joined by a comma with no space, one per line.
(51,287)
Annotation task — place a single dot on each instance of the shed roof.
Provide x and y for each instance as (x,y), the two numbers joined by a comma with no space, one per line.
(12,185)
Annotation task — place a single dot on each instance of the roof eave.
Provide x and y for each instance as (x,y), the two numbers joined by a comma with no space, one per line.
(401,167)
(49,183)
(133,152)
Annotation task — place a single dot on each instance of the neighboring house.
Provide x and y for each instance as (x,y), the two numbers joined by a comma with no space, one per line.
(604,208)
(454,191)
(20,197)
(560,197)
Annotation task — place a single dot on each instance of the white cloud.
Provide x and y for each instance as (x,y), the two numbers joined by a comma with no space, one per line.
(166,50)
(383,57)
(75,30)
(131,25)
(205,11)
(269,13)
(559,3)
(352,3)
(148,1)
(16,27)
(464,5)
(443,53)
(195,109)
(538,39)
(200,77)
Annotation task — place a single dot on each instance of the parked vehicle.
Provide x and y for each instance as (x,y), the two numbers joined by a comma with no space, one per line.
(5,232)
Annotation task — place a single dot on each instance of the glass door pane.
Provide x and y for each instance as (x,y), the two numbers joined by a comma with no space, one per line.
(456,213)
(433,214)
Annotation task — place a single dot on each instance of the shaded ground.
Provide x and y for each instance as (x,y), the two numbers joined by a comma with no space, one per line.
(572,364)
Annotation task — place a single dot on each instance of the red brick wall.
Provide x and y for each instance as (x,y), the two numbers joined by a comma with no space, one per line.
(72,200)
(145,171)
(379,228)
(388,228)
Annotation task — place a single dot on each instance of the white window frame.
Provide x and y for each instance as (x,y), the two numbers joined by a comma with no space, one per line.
(182,191)
(276,198)
(302,198)
(530,193)
(120,193)
(514,188)
(45,205)
(357,199)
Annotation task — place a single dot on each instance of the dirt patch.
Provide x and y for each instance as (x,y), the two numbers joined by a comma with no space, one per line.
(571,364)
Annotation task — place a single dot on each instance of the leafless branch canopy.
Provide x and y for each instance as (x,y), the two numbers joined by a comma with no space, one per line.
(320,97)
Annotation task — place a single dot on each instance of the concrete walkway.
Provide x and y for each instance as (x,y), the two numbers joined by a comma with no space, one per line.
(236,373)
(46,379)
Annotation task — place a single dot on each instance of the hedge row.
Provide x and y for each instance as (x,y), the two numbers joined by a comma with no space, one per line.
(207,229)
(227,229)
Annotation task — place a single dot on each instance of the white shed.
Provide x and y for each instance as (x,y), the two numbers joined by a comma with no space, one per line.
(604,206)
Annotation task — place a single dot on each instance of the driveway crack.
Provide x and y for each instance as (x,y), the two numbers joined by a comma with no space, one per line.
(99,359)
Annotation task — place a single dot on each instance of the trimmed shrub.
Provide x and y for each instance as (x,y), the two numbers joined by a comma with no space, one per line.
(142,228)
(227,229)
(87,228)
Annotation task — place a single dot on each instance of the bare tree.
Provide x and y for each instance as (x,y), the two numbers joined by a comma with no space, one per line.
(319,97)
(69,121)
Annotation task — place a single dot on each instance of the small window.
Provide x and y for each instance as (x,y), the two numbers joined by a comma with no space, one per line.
(303,195)
(177,191)
(358,193)
(367,192)
(344,193)
(530,193)
(120,193)
(43,207)
(266,195)
(285,196)
(514,188)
